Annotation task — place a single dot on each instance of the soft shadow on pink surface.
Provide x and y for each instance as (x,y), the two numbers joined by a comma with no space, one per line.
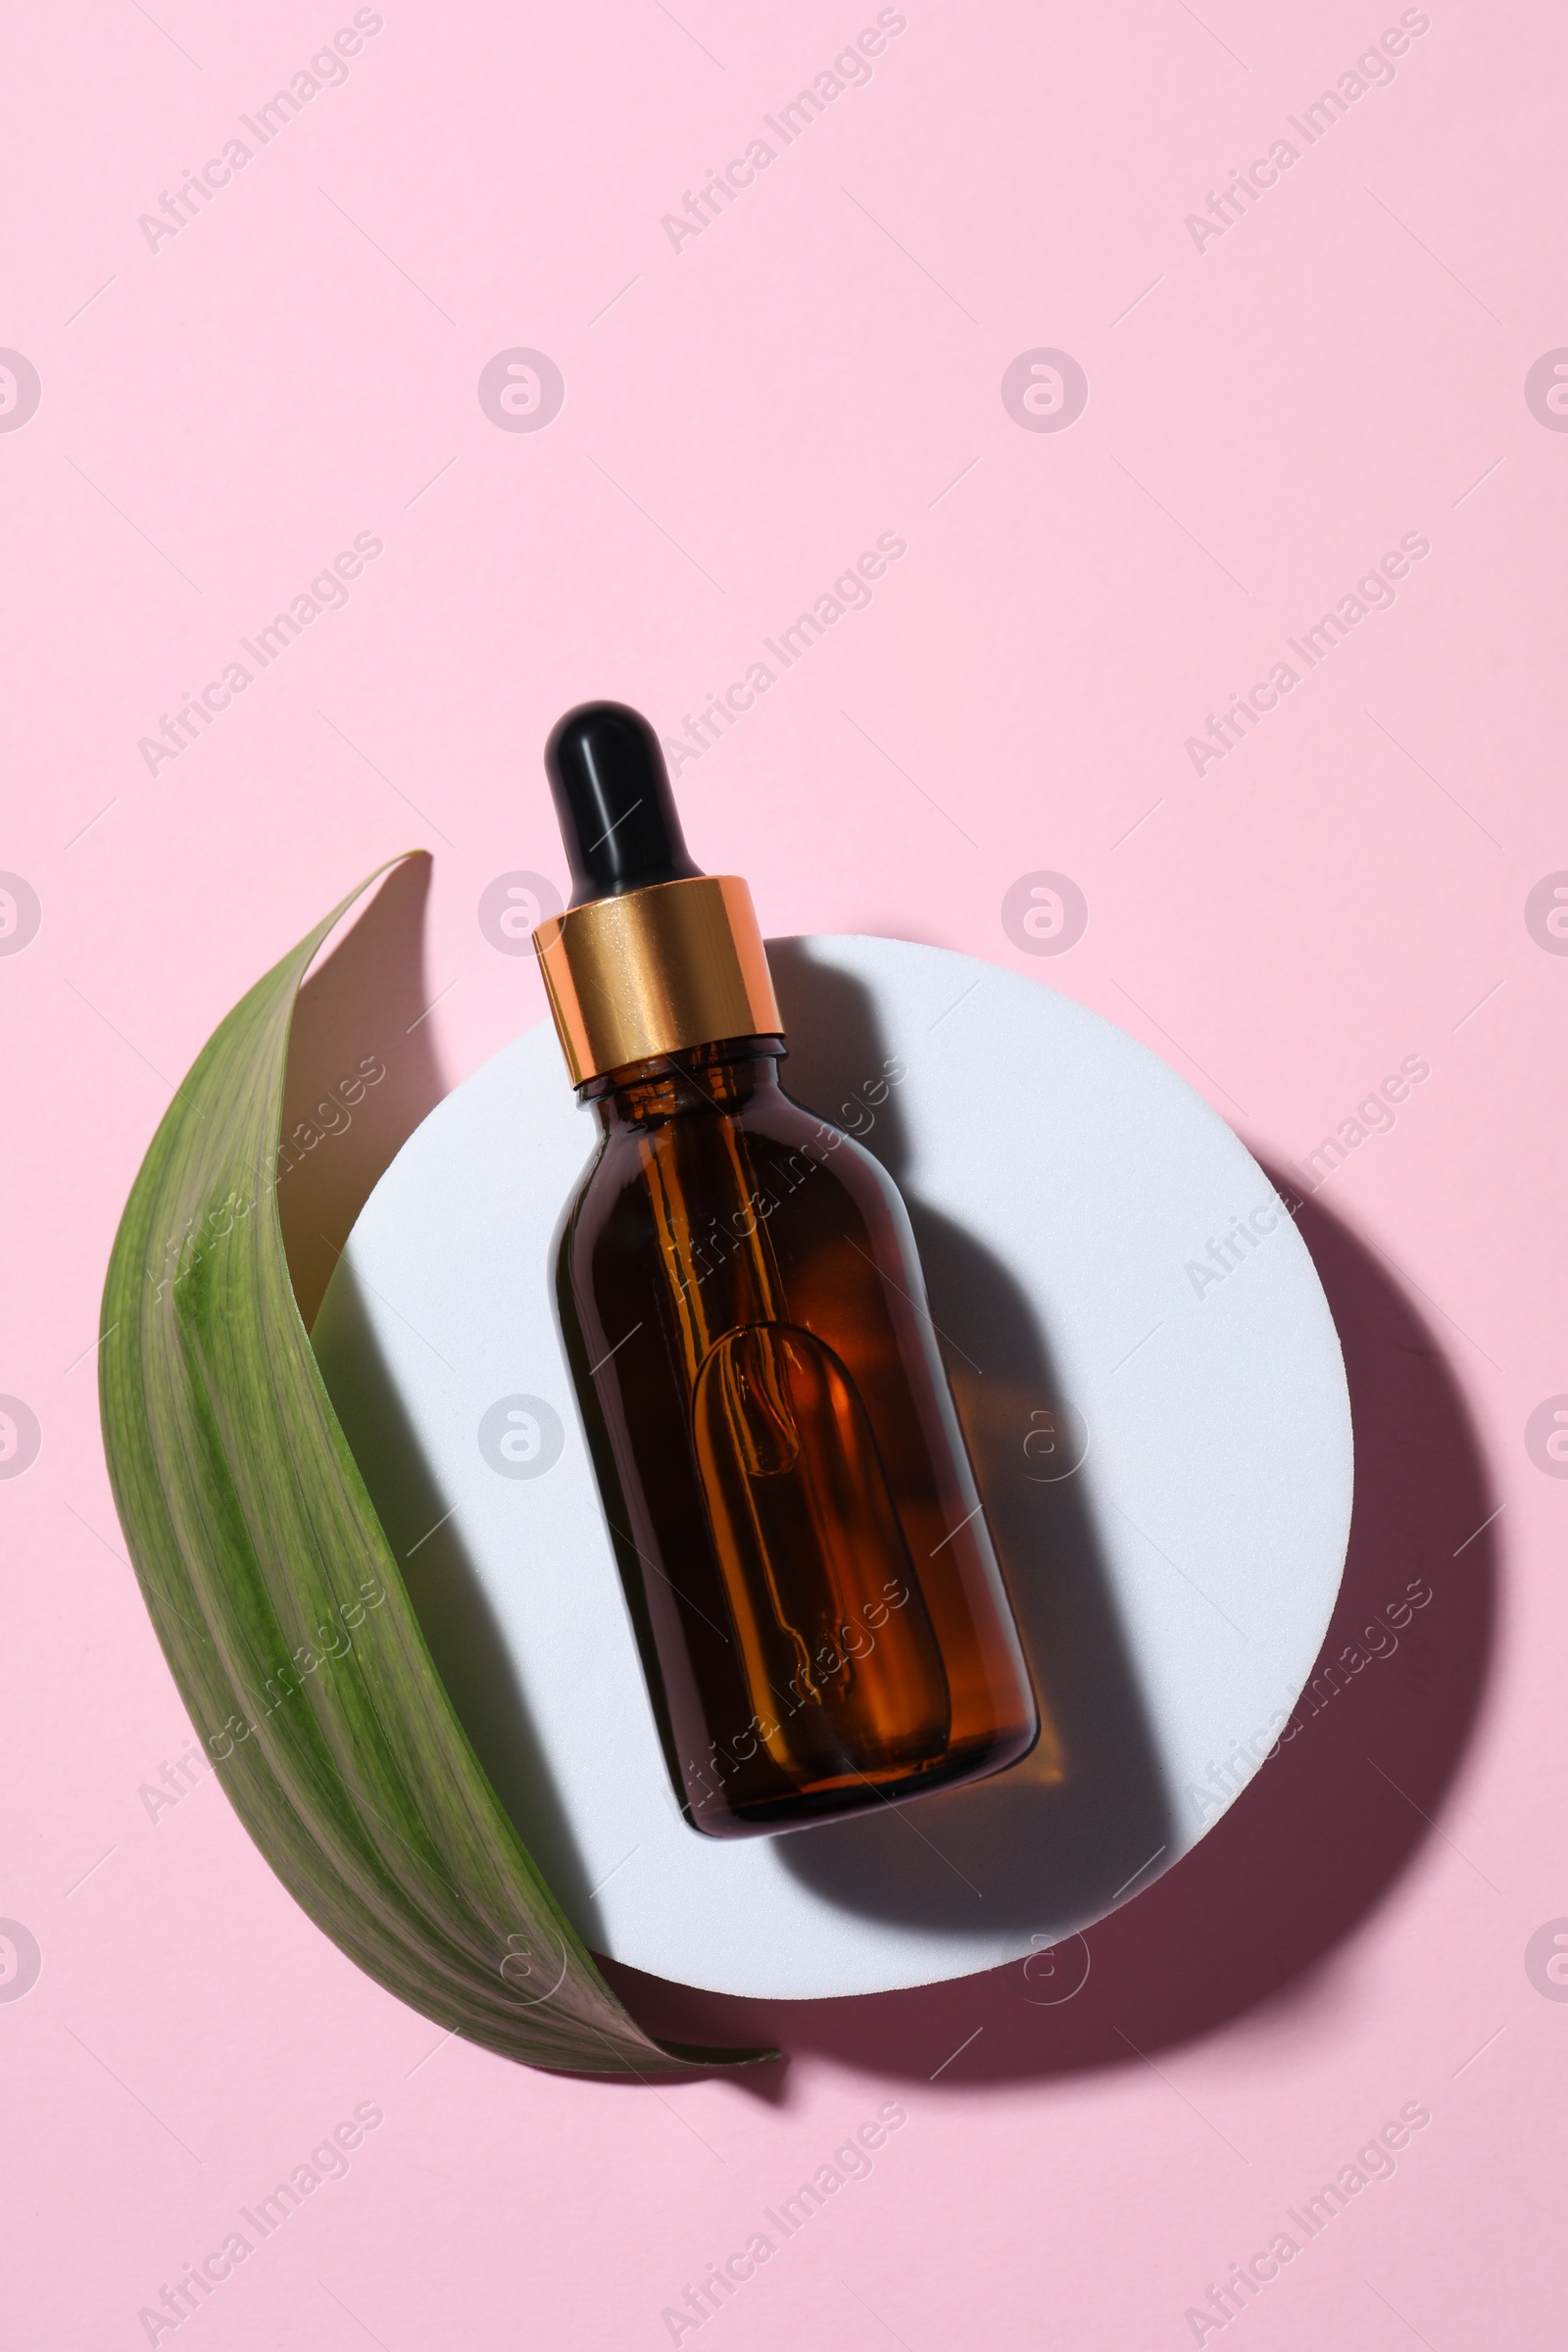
(1309,1852)
(358,1011)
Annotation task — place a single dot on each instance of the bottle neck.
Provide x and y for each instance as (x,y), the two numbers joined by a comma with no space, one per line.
(656,970)
(723,1076)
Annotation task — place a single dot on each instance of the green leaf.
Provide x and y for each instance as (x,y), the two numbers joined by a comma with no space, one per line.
(279,1604)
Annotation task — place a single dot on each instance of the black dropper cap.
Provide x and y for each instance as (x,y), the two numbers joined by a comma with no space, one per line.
(612,796)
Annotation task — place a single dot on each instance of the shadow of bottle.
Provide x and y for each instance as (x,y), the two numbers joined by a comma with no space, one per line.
(1062,1833)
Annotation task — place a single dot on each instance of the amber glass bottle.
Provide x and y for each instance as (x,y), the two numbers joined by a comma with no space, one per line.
(822,1619)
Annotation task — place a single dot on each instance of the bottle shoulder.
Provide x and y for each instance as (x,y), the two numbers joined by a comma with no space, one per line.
(774,1123)
(839,1154)
(766,1160)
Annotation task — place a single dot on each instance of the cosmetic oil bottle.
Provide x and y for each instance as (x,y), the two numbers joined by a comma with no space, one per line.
(822,1620)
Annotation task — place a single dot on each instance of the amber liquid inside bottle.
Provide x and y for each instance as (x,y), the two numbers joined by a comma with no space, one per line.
(823,1623)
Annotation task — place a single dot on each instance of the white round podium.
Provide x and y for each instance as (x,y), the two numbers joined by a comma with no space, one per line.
(1150,1388)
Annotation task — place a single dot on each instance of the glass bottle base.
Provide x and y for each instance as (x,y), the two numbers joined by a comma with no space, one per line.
(832,1799)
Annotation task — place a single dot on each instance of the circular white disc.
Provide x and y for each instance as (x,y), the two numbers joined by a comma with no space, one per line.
(1172,1589)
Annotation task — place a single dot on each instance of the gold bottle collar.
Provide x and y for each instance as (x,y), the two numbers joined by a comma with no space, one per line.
(656,970)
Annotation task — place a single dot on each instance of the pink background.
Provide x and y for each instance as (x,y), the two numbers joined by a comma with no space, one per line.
(1267,418)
